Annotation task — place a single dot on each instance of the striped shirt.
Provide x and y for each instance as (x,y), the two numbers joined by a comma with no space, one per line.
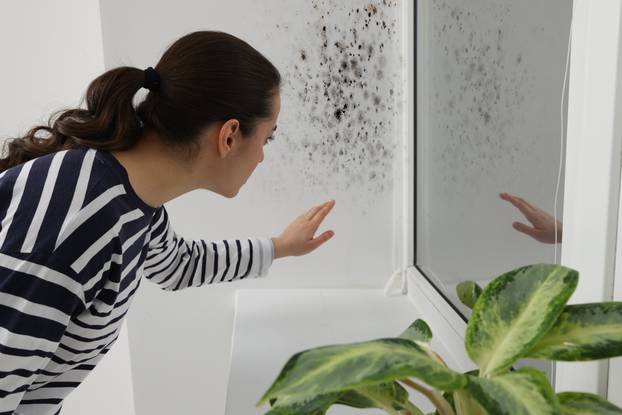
(75,242)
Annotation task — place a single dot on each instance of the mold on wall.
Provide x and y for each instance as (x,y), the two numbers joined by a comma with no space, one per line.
(341,97)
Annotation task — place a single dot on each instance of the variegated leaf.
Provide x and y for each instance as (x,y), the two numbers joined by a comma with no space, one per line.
(583,332)
(576,403)
(523,392)
(351,366)
(388,396)
(419,331)
(369,396)
(514,311)
(316,405)
(464,403)
(375,396)
(468,292)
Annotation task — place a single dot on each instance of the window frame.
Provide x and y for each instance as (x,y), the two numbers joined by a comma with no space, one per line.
(592,181)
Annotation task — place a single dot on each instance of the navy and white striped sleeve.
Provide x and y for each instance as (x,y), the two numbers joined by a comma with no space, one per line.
(36,304)
(174,263)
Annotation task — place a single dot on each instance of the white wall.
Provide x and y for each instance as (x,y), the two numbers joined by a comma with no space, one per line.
(180,342)
(50,52)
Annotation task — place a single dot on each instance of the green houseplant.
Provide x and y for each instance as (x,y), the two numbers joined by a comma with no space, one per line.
(520,314)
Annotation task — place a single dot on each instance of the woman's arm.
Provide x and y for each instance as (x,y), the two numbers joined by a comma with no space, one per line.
(174,263)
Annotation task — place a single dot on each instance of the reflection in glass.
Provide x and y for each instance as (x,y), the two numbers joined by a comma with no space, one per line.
(489,88)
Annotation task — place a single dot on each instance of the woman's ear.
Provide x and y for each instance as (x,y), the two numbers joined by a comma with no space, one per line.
(228,134)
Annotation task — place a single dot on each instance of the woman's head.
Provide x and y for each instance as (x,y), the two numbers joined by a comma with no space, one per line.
(208,80)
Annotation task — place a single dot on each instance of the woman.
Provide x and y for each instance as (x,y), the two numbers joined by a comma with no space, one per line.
(82,215)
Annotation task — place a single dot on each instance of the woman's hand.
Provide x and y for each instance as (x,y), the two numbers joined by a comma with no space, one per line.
(543,229)
(297,239)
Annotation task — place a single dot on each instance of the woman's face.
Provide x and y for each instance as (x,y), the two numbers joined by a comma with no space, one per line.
(231,158)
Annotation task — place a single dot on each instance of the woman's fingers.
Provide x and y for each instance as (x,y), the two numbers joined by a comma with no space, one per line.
(309,213)
(320,215)
(313,211)
(319,240)
(521,204)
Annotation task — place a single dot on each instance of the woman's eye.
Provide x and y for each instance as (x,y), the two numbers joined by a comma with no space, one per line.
(269,139)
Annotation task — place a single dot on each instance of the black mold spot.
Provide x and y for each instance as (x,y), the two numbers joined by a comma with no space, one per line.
(344,66)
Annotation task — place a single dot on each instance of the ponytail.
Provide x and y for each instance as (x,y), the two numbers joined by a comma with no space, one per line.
(109,121)
(202,77)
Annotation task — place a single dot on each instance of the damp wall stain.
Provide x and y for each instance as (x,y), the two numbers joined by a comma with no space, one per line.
(341,96)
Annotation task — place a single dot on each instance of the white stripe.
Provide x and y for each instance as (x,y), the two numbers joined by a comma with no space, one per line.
(245,258)
(34,309)
(261,258)
(44,201)
(48,393)
(79,192)
(11,382)
(43,272)
(73,375)
(41,408)
(222,263)
(71,224)
(25,342)
(31,363)
(18,191)
(10,402)
(84,259)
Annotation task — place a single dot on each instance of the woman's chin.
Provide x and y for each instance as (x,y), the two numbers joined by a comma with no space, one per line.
(231,194)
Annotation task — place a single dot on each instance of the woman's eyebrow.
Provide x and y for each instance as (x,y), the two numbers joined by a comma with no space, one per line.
(274,129)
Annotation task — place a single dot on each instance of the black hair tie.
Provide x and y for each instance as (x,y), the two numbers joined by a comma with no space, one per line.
(152,79)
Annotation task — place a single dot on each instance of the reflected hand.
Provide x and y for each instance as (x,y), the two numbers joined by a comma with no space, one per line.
(298,238)
(543,229)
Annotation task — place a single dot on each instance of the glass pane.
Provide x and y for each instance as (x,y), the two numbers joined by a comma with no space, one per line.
(490,78)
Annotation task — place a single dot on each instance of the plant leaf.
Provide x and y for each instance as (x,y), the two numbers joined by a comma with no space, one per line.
(350,366)
(525,391)
(419,331)
(468,292)
(576,403)
(583,332)
(374,396)
(359,398)
(514,311)
(464,403)
(317,405)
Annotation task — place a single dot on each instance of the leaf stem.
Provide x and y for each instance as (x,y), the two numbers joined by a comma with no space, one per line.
(437,400)
(387,406)
(411,409)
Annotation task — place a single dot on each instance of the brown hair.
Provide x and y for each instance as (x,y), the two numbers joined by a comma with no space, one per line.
(205,77)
